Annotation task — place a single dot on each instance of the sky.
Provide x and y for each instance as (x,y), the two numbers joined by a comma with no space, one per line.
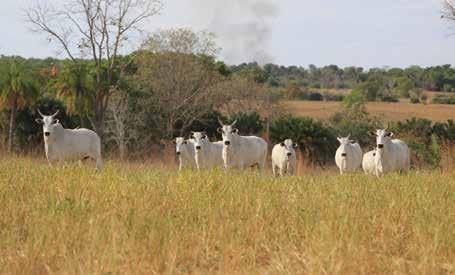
(367,33)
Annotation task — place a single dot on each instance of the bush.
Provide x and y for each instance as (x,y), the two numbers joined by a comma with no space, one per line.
(248,123)
(316,141)
(315,96)
(443,99)
(415,100)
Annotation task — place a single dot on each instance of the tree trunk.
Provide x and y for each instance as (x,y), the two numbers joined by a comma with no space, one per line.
(12,121)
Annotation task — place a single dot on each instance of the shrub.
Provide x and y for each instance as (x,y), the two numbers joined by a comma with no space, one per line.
(316,141)
(443,99)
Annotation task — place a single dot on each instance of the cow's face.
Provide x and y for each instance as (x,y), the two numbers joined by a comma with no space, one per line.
(179,143)
(382,138)
(344,143)
(199,139)
(49,123)
(227,131)
(288,147)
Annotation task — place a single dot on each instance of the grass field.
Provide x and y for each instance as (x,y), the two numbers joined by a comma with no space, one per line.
(383,110)
(139,219)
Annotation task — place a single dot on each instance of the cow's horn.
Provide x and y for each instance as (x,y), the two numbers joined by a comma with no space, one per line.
(233,123)
(56,113)
(39,112)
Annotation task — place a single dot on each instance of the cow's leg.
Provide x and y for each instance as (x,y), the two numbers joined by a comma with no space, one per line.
(99,162)
(281,171)
(274,169)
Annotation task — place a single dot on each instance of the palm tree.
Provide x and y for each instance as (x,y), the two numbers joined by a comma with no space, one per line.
(17,92)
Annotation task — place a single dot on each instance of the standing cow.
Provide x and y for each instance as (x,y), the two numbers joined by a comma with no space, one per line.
(348,156)
(242,151)
(207,153)
(391,154)
(284,158)
(368,163)
(61,143)
(185,152)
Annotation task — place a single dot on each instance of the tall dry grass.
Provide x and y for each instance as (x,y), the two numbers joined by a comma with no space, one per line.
(137,219)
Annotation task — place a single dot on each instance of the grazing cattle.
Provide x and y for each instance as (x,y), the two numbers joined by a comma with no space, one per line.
(242,151)
(391,154)
(61,143)
(284,158)
(184,149)
(368,163)
(348,156)
(207,154)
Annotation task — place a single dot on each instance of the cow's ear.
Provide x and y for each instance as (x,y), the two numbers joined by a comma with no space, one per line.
(174,141)
(236,131)
(282,144)
(56,121)
(185,142)
(219,130)
(39,121)
(352,141)
(295,145)
(390,134)
(372,133)
(339,139)
(204,136)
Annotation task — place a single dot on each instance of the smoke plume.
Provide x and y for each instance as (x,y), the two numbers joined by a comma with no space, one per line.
(243,27)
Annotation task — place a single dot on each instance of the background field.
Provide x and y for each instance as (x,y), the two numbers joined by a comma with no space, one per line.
(385,111)
(140,219)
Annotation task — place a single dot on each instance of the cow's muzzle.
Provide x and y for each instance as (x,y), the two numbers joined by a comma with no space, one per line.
(47,134)
(177,153)
(227,142)
(198,147)
(289,154)
(343,154)
(380,146)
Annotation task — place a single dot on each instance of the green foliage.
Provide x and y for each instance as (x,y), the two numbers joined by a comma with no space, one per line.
(248,123)
(403,86)
(316,141)
(443,99)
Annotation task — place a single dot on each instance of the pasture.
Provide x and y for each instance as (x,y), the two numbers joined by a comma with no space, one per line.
(138,218)
(384,110)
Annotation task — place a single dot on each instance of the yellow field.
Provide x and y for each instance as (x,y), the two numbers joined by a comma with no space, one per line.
(139,219)
(383,110)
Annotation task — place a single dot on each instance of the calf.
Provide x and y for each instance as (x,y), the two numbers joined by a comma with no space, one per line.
(284,158)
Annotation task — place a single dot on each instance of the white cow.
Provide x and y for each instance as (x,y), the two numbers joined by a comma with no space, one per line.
(207,154)
(242,151)
(284,158)
(61,143)
(391,154)
(348,156)
(184,149)
(368,163)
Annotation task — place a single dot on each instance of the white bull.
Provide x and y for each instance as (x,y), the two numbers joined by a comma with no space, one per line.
(242,151)
(184,149)
(368,162)
(61,144)
(391,154)
(207,154)
(284,158)
(348,156)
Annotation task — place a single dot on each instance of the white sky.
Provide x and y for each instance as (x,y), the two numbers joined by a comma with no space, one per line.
(368,33)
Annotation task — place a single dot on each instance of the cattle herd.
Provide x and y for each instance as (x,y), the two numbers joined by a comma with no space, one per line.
(234,151)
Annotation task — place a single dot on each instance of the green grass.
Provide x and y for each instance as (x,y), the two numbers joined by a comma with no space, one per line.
(136,219)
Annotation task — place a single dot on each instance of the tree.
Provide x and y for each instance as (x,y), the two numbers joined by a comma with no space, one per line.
(179,76)
(98,29)
(16,93)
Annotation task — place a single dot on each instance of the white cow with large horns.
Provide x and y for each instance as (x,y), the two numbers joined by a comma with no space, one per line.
(391,154)
(348,156)
(242,151)
(61,144)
